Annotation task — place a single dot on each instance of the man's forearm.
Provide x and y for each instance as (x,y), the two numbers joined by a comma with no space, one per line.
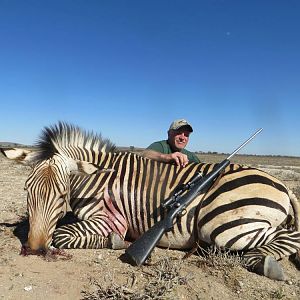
(156,155)
(178,158)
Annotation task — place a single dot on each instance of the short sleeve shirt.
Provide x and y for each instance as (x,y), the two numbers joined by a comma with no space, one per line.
(164,147)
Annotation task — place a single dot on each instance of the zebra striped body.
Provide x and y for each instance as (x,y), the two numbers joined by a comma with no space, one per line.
(243,210)
(132,194)
(245,201)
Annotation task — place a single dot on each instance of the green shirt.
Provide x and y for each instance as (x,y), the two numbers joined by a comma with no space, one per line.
(164,147)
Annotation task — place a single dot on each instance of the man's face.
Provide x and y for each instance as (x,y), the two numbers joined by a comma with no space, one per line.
(178,139)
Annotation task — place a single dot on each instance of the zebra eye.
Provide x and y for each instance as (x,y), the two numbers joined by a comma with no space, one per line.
(25,187)
(60,215)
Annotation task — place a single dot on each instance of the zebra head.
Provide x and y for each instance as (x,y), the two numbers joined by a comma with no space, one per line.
(61,150)
(48,191)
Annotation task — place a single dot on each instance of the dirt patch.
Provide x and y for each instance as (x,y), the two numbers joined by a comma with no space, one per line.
(101,274)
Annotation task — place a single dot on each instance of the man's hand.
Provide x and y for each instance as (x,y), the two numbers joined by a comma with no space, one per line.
(179,158)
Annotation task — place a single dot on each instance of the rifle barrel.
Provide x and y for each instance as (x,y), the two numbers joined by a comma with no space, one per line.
(246,142)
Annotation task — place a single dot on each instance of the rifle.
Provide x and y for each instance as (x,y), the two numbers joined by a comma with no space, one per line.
(176,204)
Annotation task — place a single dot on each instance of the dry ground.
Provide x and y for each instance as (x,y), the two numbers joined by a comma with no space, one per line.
(100,274)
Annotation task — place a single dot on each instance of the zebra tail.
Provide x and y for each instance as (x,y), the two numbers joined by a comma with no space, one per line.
(296,207)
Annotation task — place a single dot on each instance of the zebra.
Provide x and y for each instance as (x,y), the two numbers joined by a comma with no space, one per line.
(116,197)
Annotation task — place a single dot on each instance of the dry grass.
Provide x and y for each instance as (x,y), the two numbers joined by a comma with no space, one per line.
(219,259)
(161,280)
(163,277)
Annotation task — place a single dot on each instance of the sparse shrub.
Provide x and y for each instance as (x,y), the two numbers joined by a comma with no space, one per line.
(162,279)
(220,259)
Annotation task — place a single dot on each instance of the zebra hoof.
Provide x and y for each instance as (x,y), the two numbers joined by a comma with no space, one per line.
(115,242)
(270,268)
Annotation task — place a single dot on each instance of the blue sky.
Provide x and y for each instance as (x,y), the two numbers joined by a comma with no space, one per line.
(128,68)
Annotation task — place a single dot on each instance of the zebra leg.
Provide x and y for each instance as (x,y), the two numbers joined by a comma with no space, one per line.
(275,244)
(269,267)
(78,236)
(116,242)
(87,234)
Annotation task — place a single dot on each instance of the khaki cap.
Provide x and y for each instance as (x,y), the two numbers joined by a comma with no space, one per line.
(175,125)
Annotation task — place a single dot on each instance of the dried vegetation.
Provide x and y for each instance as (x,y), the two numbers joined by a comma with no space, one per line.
(158,282)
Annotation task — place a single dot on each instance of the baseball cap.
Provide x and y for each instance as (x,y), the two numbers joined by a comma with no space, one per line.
(175,125)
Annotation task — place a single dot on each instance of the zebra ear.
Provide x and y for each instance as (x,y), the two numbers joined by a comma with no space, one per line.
(79,167)
(23,156)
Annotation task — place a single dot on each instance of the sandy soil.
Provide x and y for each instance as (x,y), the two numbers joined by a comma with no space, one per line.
(101,274)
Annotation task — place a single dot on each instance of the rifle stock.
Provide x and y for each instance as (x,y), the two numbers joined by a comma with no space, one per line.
(142,247)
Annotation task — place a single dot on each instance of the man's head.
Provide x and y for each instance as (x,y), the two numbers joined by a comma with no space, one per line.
(178,134)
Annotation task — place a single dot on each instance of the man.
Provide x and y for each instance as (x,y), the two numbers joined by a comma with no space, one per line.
(172,150)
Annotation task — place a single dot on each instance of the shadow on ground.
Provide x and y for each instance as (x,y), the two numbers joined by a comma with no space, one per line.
(21,227)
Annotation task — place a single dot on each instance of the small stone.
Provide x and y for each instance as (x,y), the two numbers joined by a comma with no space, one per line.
(28,288)
(289,282)
(98,259)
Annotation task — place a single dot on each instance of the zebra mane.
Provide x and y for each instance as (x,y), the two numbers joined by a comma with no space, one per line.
(62,137)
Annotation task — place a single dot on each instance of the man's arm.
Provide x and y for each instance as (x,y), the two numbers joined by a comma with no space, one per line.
(179,158)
